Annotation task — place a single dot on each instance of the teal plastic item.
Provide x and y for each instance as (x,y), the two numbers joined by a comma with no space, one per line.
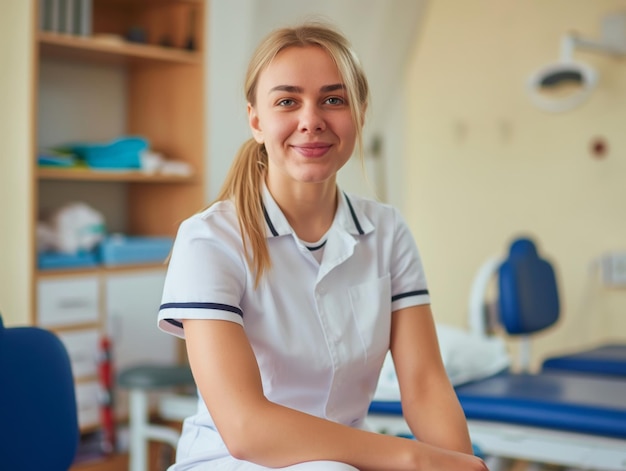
(123,250)
(56,261)
(55,158)
(120,154)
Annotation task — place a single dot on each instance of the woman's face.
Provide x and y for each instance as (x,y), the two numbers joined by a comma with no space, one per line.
(303,117)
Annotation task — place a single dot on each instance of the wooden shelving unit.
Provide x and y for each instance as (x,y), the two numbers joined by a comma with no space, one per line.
(165,91)
(163,88)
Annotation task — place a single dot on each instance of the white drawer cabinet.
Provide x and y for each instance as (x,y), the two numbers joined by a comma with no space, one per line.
(124,306)
(68,301)
(133,301)
(83,349)
(88,404)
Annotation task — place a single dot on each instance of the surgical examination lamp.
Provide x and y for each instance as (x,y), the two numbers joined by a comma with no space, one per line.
(564,85)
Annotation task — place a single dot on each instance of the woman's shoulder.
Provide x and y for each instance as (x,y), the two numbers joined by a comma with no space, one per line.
(218,210)
(220,218)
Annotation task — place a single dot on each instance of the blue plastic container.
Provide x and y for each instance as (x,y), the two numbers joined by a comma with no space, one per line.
(120,154)
(124,250)
(56,261)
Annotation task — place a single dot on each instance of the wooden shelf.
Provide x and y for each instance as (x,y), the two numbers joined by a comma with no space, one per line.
(155,2)
(101,269)
(105,49)
(83,174)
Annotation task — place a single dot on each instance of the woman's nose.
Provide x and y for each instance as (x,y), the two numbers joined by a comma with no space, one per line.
(311,119)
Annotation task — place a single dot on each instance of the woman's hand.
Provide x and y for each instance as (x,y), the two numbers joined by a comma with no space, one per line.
(430,458)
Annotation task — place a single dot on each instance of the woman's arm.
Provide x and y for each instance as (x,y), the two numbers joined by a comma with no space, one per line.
(430,405)
(257,430)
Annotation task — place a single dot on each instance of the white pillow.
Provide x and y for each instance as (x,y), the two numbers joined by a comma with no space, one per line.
(466,357)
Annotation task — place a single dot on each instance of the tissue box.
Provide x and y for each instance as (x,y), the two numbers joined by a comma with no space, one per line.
(124,250)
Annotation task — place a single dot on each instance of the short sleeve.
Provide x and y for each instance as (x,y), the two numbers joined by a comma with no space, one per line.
(206,275)
(408,280)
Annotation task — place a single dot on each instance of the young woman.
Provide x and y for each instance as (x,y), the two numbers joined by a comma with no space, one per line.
(290,292)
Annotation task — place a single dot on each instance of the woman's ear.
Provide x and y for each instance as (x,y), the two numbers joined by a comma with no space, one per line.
(253,121)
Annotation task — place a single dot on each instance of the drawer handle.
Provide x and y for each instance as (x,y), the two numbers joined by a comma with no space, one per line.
(75,303)
(79,356)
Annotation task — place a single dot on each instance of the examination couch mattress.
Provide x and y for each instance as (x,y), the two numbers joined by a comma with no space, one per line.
(606,360)
(554,400)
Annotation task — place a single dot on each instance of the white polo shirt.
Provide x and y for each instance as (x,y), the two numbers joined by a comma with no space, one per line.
(320,331)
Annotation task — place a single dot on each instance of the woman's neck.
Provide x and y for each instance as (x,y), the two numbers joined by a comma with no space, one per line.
(309,207)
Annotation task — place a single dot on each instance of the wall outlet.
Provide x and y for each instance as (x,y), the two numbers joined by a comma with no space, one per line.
(614,269)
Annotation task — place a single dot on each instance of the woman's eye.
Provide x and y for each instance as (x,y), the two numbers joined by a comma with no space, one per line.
(286,102)
(335,100)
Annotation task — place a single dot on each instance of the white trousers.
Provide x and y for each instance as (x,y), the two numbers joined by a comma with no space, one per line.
(231,464)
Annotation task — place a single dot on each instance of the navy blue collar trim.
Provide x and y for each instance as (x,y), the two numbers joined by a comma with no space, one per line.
(352,213)
(269,221)
(313,249)
(354,218)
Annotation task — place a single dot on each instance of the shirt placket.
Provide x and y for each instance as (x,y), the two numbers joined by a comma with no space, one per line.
(330,309)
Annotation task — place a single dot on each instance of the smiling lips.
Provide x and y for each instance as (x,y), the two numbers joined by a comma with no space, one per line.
(313,149)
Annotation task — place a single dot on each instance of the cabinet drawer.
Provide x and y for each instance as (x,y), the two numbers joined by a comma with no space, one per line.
(87,402)
(67,301)
(82,347)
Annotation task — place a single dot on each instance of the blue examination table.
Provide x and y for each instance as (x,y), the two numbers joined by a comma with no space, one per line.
(557,416)
(562,401)
(606,360)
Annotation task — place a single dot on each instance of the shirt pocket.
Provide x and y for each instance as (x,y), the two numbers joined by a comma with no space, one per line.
(371,310)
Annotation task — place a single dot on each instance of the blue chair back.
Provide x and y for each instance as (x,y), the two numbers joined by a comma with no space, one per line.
(38,418)
(528,292)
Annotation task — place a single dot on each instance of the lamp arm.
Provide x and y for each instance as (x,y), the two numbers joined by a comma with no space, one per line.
(572,41)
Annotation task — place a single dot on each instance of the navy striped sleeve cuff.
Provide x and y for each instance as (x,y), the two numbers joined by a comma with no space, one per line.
(408,294)
(216,306)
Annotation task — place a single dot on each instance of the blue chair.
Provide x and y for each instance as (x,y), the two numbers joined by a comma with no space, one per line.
(605,360)
(38,418)
(524,272)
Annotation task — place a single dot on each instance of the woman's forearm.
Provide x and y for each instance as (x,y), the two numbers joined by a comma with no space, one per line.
(275,436)
(436,417)
(258,430)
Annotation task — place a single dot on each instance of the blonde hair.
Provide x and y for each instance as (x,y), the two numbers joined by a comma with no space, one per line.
(243,183)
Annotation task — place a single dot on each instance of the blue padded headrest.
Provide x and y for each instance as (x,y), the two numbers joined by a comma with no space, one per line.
(528,293)
(38,414)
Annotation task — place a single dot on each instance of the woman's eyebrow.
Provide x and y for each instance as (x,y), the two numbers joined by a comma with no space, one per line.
(296,89)
(333,87)
(287,88)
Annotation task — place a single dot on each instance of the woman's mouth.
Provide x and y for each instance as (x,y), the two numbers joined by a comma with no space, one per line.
(312,150)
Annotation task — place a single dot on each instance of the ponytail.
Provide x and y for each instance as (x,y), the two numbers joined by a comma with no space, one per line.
(243,186)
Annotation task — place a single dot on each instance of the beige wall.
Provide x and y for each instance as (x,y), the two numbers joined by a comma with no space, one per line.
(485,165)
(15,160)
